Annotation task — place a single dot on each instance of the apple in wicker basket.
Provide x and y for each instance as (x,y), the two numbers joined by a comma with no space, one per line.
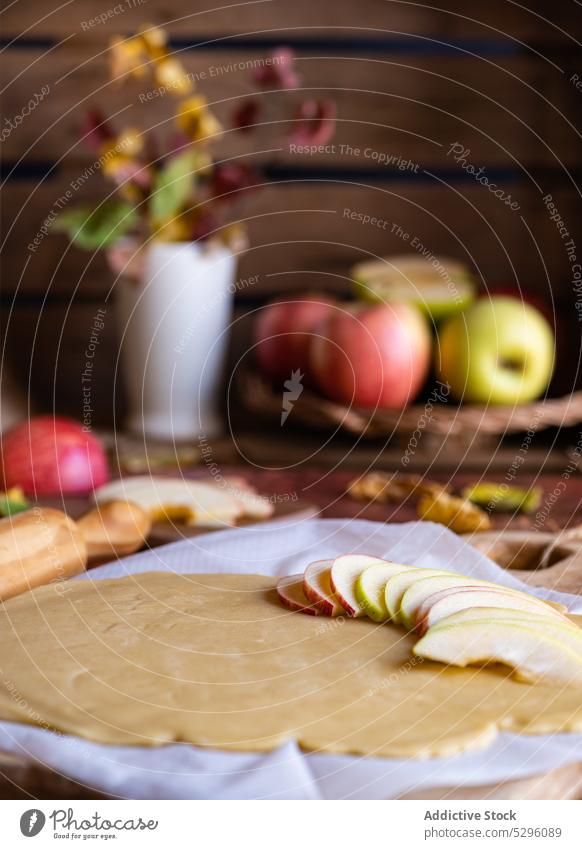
(283,331)
(372,356)
(499,351)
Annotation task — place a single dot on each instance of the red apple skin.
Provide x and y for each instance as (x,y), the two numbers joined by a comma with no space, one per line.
(325,604)
(49,455)
(291,595)
(283,333)
(351,611)
(372,355)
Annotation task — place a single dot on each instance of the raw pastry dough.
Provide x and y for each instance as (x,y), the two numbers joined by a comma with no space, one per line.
(216,661)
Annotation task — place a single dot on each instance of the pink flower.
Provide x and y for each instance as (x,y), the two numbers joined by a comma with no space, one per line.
(123,169)
(314,122)
(279,72)
(205,225)
(231,178)
(178,142)
(96,130)
(246,115)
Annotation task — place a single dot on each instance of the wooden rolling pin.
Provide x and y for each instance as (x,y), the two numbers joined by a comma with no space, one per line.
(36,547)
(114,529)
(42,545)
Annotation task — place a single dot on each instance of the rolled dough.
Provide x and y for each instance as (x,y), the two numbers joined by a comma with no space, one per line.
(216,661)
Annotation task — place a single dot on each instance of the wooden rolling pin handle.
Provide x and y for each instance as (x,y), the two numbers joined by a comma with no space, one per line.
(37,547)
(42,545)
(114,529)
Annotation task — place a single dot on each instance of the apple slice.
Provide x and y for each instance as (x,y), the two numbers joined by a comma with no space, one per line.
(503,614)
(399,584)
(175,499)
(290,592)
(317,588)
(371,585)
(446,602)
(534,653)
(254,506)
(429,284)
(422,589)
(345,571)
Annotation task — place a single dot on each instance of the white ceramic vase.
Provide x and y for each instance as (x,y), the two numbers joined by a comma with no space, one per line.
(173,320)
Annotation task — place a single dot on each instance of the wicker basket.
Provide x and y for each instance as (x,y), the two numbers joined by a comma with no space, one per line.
(440,419)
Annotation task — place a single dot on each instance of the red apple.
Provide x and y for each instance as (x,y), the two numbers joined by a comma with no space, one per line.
(372,355)
(283,332)
(50,455)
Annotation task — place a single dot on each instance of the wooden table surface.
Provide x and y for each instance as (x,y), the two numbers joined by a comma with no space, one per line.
(327,490)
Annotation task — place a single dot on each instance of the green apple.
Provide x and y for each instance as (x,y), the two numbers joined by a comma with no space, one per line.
(399,584)
(553,655)
(371,585)
(499,351)
(504,498)
(449,601)
(440,286)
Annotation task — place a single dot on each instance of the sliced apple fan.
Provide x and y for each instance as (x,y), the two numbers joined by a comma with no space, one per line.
(461,620)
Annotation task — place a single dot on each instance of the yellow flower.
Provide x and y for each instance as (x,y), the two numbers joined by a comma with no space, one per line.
(130,192)
(127,56)
(235,237)
(176,229)
(154,38)
(147,52)
(172,75)
(168,71)
(130,142)
(196,120)
(114,166)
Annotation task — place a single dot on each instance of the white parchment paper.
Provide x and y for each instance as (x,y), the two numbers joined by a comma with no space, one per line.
(181,771)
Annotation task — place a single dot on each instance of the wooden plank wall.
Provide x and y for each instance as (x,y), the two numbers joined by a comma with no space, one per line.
(409,80)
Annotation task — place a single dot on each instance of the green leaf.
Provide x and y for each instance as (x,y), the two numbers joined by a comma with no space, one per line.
(90,228)
(173,186)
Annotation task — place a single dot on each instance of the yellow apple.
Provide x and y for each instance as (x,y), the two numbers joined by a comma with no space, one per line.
(499,351)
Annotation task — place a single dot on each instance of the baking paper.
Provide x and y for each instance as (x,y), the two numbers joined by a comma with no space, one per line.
(181,771)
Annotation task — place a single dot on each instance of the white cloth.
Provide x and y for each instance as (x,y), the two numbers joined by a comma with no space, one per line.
(181,771)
